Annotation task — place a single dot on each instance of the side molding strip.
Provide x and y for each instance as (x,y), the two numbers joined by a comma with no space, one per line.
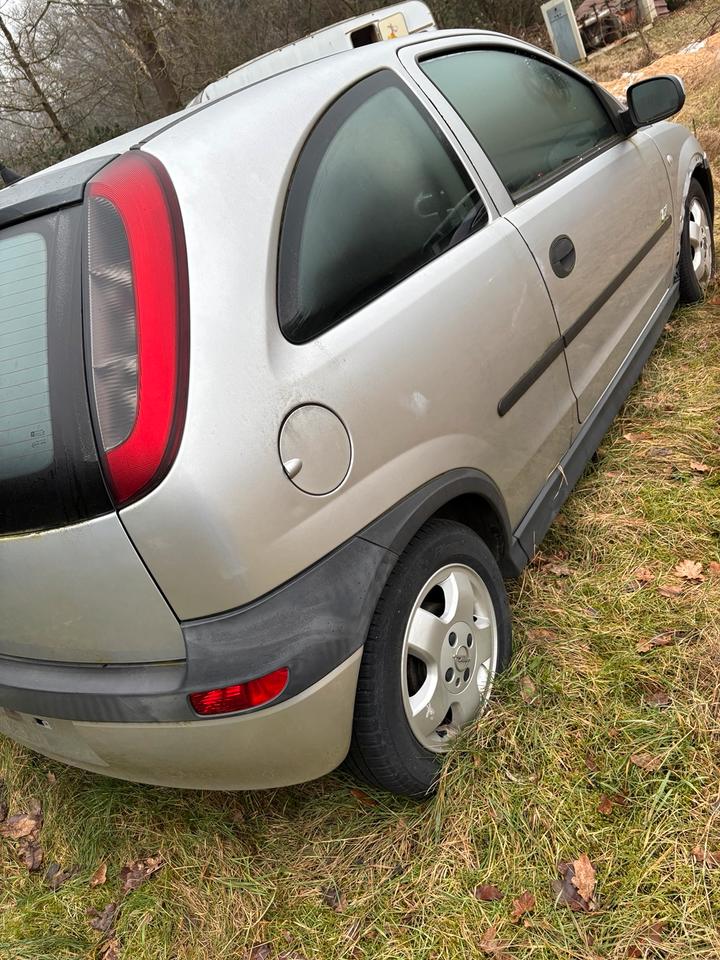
(523,384)
(559,486)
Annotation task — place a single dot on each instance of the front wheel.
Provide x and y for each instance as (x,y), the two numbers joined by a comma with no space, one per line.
(440,633)
(697,249)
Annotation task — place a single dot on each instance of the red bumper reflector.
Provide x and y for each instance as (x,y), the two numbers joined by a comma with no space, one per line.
(241,696)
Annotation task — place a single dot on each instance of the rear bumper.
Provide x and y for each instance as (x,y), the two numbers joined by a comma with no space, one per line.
(299,739)
(135,721)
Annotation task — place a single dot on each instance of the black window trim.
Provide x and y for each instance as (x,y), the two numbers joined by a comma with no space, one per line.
(310,156)
(602,96)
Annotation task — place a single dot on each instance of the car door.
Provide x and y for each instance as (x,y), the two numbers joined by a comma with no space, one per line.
(592,205)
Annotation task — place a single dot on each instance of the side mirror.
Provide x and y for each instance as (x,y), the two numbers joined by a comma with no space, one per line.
(656,98)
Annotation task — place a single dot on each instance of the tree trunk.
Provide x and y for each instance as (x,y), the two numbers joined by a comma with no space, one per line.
(153,59)
(33,81)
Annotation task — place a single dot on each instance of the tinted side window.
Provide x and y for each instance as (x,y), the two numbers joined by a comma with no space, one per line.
(531,119)
(377,193)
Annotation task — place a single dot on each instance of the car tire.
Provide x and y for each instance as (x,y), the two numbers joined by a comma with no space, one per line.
(422,647)
(697,247)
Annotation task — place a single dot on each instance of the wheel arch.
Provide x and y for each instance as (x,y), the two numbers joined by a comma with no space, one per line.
(466,495)
(703,175)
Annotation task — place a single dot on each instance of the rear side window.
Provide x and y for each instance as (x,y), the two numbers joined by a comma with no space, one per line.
(376,194)
(533,120)
(26,443)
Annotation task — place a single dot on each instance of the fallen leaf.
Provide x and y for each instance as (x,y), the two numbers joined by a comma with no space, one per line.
(698,467)
(261,951)
(528,690)
(658,698)
(689,570)
(55,876)
(136,873)
(51,778)
(643,575)
(558,569)
(646,761)
(659,640)
(334,899)
(670,590)
(31,854)
(541,635)
(584,878)
(103,920)
(591,762)
(110,950)
(100,876)
(488,892)
(706,857)
(605,807)
(524,904)
(363,797)
(22,824)
(646,938)
(714,568)
(567,893)
(491,946)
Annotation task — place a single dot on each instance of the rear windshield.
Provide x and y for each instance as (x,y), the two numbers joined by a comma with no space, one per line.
(26,443)
(49,472)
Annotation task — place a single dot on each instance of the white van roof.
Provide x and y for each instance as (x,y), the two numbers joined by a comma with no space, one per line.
(384,24)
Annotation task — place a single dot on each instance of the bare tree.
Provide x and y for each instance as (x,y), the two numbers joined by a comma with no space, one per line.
(29,74)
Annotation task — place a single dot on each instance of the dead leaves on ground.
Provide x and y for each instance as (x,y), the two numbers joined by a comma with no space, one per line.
(689,570)
(109,950)
(646,939)
(706,857)
(576,886)
(137,872)
(646,761)
(659,640)
(525,903)
(491,946)
(528,690)
(608,802)
(25,829)
(100,876)
(332,897)
(488,892)
(23,825)
(56,876)
(103,920)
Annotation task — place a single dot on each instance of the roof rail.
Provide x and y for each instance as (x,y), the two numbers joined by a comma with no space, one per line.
(387,23)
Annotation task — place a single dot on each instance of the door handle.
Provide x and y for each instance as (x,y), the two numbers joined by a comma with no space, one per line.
(562,256)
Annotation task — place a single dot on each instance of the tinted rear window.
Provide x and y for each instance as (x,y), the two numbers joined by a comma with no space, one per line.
(49,471)
(26,444)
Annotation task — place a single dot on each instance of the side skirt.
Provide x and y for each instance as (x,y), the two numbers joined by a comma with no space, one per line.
(560,483)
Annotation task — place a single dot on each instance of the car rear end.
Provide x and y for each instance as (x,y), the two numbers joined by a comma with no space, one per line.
(96,669)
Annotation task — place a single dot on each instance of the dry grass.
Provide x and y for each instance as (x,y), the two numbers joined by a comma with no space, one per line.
(519,793)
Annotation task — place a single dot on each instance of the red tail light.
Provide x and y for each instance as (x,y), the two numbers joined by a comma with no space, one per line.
(241,696)
(137,286)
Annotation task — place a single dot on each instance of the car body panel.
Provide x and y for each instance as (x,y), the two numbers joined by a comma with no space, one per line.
(630,179)
(227,501)
(82,594)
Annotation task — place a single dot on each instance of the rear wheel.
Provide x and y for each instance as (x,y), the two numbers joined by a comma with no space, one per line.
(440,633)
(697,249)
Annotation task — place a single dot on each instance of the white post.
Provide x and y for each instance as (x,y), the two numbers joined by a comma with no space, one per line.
(559,18)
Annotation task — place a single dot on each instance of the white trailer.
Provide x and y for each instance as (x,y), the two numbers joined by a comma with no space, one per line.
(385,24)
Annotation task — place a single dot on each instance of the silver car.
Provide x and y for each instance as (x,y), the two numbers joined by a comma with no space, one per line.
(292,380)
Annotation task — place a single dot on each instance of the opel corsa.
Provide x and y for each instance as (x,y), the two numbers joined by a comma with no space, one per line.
(292,380)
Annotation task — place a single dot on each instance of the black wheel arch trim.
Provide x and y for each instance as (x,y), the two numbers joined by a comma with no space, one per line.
(398,525)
